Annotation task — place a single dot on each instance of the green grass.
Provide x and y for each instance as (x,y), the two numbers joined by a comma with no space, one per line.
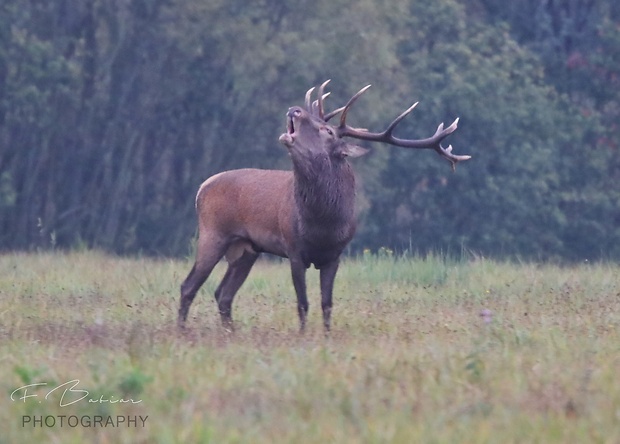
(410,358)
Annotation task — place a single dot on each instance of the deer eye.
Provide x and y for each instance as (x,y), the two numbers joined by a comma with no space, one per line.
(329,130)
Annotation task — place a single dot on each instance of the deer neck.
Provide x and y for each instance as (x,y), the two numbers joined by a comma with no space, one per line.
(325,194)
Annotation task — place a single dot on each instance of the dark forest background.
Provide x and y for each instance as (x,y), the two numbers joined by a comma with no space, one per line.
(112,112)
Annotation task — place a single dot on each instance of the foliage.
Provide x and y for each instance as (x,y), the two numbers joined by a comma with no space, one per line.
(112,114)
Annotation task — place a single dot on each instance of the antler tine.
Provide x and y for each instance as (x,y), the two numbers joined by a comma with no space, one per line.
(446,153)
(333,113)
(309,99)
(397,120)
(322,97)
(453,126)
(351,101)
(317,105)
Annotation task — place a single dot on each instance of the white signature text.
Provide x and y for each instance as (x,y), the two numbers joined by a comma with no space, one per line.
(68,392)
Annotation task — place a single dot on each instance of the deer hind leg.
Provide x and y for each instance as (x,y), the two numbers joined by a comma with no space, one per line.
(241,257)
(208,254)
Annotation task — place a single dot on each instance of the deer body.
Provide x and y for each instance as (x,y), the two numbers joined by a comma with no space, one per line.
(267,211)
(306,215)
(246,208)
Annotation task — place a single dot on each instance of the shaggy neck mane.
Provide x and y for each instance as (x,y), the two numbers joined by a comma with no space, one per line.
(325,192)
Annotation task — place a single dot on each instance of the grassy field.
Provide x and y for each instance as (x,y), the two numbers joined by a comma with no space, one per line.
(422,350)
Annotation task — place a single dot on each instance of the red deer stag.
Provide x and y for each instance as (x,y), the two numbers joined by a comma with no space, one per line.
(306,214)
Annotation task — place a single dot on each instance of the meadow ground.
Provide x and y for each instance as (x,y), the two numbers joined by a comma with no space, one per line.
(422,350)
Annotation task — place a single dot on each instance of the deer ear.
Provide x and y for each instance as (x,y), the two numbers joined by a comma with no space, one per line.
(350,150)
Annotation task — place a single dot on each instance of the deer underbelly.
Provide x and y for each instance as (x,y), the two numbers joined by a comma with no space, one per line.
(239,247)
(265,240)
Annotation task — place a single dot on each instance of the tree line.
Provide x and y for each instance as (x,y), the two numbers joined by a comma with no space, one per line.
(112,112)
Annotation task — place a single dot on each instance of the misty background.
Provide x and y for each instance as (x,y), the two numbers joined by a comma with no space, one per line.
(112,112)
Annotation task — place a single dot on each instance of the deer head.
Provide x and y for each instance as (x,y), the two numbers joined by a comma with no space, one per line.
(309,138)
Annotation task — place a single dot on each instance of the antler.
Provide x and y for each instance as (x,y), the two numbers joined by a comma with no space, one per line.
(386,136)
(317,109)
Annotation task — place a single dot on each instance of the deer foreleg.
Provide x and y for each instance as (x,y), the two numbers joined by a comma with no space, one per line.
(328,274)
(298,271)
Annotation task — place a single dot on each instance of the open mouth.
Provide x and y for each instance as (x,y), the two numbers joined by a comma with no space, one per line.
(288,138)
(290,126)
